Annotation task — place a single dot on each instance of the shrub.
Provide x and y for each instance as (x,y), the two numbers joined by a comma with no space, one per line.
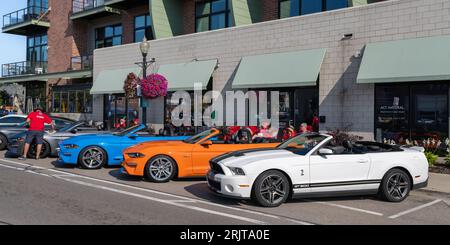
(342,134)
(431,157)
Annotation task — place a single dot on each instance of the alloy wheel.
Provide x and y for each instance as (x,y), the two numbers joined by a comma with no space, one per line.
(273,189)
(93,158)
(398,185)
(161,169)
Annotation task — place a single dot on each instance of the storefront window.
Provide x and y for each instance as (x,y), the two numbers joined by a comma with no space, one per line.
(71,100)
(297,105)
(115,111)
(169,107)
(411,111)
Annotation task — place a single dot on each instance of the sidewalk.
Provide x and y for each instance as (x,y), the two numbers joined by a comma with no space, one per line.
(438,183)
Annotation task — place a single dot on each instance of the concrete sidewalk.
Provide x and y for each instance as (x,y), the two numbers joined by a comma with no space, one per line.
(438,183)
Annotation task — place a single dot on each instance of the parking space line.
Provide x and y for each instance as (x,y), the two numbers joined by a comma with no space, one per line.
(414,209)
(66,175)
(347,207)
(250,220)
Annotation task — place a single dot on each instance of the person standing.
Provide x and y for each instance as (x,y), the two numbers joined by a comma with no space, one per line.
(36,120)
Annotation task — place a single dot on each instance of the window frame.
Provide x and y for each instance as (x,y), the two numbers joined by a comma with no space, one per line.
(324,8)
(146,25)
(114,26)
(227,13)
(67,92)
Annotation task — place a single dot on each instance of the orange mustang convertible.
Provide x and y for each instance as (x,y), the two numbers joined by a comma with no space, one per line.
(161,161)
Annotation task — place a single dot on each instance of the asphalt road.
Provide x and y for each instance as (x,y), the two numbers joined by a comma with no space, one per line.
(45,192)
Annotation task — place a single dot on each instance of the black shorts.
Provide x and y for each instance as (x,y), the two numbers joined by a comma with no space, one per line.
(38,135)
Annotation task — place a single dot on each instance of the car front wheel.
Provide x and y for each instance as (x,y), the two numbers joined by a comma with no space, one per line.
(92,157)
(395,186)
(271,189)
(160,169)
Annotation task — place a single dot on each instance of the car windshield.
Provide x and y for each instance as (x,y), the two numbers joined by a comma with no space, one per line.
(198,137)
(302,144)
(70,126)
(127,131)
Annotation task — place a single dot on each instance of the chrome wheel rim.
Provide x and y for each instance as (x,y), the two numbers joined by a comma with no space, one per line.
(93,158)
(273,189)
(398,186)
(161,169)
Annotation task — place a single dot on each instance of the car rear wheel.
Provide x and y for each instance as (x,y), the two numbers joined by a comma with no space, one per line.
(92,157)
(271,189)
(45,151)
(395,186)
(160,169)
(3,142)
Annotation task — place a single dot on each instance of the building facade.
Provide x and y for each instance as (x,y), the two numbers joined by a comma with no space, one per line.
(376,68)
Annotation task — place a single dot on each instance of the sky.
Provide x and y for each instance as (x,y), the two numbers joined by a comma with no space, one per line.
(12,47)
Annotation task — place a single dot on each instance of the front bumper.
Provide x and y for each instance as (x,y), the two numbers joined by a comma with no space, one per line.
(68,156)
(421,185)
(238,187)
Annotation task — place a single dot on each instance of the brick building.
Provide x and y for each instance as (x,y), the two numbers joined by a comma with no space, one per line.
(374,67)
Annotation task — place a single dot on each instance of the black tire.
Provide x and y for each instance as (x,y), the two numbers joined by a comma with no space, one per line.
(161,169)
(267,192)
(395,186)
(3,142)
(45,151)
(92,157)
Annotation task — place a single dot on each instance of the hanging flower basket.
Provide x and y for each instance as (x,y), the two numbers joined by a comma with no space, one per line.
(154,86)
(130,86)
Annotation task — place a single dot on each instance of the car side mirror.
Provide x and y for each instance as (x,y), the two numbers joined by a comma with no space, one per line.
(207,143)
(325,151)
(73,131)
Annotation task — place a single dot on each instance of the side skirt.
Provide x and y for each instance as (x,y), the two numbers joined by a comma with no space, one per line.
(335,193)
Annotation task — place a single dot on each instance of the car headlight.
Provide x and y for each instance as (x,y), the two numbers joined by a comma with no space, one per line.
(70,146)
(20,139)
(135,155)
(237,171)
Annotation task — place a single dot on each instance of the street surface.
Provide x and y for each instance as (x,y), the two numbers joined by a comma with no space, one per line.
(46,192)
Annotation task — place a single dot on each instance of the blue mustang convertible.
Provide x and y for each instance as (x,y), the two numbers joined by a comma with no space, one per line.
(94,151)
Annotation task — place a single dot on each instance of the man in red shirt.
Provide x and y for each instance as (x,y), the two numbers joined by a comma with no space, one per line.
(37,120)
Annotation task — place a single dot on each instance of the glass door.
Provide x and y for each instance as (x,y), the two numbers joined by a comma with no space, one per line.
(306,106)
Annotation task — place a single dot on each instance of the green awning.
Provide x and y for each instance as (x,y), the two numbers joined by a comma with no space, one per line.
(45,77)
(183,76)
(291,69)
(112,81)
(421,59)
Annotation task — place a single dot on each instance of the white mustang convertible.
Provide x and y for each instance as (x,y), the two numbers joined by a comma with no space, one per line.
(313,165)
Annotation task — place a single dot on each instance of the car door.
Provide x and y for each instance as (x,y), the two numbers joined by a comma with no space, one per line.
(201,153)
(330,172)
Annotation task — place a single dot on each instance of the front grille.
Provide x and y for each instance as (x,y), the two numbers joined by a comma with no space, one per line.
(215,167)
(214,184)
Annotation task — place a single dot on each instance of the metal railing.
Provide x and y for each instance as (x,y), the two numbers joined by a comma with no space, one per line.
(24,68)
(84,5)
(81,63)
(23,15)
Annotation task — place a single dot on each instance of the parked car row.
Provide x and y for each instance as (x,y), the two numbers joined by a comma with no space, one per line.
(267,172)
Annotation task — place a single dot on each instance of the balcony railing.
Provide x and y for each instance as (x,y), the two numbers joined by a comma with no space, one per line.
(24,68)
(81,63)
(84,5)
(24,15)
